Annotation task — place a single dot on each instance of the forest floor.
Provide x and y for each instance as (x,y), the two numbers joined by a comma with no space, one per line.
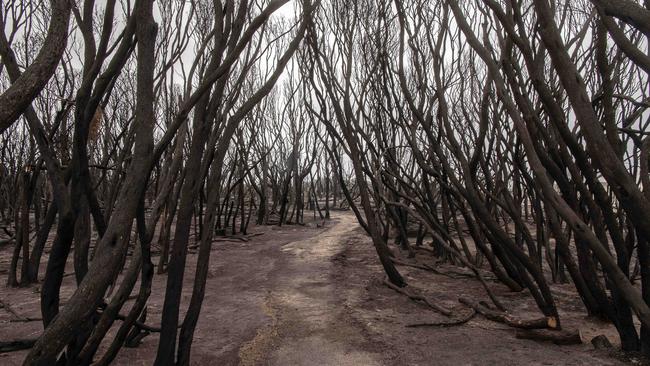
(308,295)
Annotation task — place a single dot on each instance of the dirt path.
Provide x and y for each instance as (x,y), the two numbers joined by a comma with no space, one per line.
(310,324)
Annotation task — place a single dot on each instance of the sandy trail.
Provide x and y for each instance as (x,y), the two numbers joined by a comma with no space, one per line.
(310,324)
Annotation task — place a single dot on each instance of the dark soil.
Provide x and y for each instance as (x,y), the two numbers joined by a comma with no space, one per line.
(306,295)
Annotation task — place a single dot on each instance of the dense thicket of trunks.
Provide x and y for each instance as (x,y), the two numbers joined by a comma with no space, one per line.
(501,135)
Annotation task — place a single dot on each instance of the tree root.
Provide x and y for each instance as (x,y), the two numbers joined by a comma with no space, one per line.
(429,268)
(136,335)
(445,324)
(416,297)
(236,238)
(416,265)
(455,252)
(477,275)
(141,325)
(425,249)
(505,318)
(17,317)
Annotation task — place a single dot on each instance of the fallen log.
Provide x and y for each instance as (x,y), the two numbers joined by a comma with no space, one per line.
(502,317)
(26,320)
(237,237)
(416,297)
(16,345)
(560,337)
(601,342)
(7,241)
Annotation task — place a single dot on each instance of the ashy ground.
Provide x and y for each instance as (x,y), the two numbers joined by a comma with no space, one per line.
(308,295)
